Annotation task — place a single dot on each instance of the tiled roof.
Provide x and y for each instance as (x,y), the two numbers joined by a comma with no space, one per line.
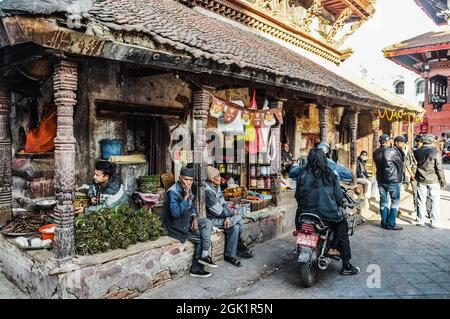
(183,29)
(171,23)
(441,36)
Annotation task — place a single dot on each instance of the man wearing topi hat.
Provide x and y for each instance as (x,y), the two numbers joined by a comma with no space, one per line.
(181,222)
(224,217)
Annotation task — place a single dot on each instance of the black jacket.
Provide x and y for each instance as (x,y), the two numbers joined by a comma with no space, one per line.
(429,165)
(318,198)
(361,171)
(389,165)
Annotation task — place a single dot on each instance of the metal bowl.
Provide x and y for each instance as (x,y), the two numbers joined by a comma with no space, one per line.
(46,204)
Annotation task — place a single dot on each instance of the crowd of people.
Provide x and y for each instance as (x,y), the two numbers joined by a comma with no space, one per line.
(317,191)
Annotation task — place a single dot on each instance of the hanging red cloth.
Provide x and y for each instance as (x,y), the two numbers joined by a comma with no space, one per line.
(257,144)
(41,139)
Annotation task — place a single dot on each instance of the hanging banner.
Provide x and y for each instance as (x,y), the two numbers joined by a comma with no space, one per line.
(246,118)
(257,119)
(217,108)
(269,118)
(230,113)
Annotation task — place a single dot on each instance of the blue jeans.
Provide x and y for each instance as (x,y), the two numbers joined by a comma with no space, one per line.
(389,214)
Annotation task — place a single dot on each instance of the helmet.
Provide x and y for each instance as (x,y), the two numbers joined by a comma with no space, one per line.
(325,147)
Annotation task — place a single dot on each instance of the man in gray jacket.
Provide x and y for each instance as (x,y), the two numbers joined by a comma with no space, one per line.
(225,218)
(430,179)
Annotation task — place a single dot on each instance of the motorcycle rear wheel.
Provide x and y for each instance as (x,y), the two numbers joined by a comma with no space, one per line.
(308,271)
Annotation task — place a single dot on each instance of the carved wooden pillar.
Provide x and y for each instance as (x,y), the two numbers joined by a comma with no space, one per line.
(275,167)
(353,125)
(65,87)
(5,155)
(202,101)
(323,123)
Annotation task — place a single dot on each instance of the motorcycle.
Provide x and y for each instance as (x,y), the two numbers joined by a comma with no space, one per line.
(314,238)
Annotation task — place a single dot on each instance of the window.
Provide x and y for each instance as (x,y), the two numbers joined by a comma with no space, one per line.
(400,88)
(420,87)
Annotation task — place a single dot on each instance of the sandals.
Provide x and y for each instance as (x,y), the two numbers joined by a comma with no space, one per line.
(233,261)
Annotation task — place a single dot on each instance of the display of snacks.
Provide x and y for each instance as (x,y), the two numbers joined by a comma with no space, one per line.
(81,200)
(234,192)
(149,184)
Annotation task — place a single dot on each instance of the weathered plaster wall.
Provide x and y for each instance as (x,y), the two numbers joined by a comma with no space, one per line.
(110,81)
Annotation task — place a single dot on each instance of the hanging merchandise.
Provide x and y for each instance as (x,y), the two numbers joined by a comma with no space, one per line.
(254,146)
(266,129)
(250,133)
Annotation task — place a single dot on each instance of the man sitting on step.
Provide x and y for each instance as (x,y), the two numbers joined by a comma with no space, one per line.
(223,217)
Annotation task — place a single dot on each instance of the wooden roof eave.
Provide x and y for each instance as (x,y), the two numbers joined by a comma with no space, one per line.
(393,51)
(45,32)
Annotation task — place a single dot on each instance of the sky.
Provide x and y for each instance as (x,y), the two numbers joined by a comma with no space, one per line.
(393,21)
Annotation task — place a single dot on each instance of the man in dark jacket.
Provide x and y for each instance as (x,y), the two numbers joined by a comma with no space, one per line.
(389,176)
(226,218)
(181,222)
(430,178)
(107,190)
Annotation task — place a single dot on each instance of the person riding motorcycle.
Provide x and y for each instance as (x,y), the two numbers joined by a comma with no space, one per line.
(318,192)
(339,170)
(342,173)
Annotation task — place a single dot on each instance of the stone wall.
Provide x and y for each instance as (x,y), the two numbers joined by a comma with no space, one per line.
(126,273)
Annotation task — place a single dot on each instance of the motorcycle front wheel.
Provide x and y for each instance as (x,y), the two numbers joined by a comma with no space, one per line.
(308,270)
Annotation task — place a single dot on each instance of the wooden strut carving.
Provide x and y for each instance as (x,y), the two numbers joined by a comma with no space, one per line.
(65,87)
(339,24)
(202,101)
(314,10)
(5,155)
(275,166)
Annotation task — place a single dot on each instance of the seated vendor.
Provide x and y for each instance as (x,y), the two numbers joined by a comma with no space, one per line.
(107,191)
(226,218)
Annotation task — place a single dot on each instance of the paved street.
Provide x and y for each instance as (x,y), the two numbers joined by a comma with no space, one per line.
(413,263)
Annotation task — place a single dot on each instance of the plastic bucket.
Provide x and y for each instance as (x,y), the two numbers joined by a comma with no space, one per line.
(44,235)
(111,148)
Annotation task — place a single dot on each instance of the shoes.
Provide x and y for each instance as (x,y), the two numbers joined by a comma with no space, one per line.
(233,261)
(420,224)
(351,270)
(383,226)
(207,261)
(436,225)
(199,273)
(394,228)
(245,254)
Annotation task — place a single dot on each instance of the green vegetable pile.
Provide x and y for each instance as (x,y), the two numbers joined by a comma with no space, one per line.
(114,228)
